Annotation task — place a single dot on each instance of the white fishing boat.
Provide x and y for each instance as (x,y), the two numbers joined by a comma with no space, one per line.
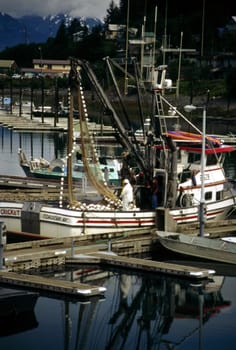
(172,157)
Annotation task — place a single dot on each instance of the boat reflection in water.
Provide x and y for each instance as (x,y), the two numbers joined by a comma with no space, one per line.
(141,312)
(17,311)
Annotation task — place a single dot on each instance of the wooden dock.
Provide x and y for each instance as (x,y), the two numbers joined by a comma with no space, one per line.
(7,182)
(21,257)
(146,265)
(105,134)
(25,123)
(46,252)
(213,229)
(50,284)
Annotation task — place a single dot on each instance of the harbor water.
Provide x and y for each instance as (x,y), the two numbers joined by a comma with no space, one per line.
(137,311)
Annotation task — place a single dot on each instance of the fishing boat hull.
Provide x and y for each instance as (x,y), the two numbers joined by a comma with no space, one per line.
(56,222)
(56,169)
(200,247)
(214,211)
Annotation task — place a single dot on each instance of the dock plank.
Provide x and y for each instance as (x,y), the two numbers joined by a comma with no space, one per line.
(149,265)
(50,284)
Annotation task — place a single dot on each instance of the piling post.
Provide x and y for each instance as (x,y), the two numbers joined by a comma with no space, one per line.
(72,248)
(2,229)
(109,248)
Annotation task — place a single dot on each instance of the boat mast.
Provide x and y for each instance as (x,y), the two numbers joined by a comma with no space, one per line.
(73,88)
(127,48)
(202,204)
(202,198)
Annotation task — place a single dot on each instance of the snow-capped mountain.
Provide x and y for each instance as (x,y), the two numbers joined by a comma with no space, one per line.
(35,29)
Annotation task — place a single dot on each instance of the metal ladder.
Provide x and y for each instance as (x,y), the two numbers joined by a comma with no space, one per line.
(160,113)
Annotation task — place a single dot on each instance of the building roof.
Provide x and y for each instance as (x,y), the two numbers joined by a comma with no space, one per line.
(6,63)
(59,62)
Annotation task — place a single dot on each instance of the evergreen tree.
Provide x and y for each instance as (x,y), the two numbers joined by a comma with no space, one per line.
(113,14)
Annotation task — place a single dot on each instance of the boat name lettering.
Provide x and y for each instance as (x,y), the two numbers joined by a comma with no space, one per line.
(54,217)
(10,212)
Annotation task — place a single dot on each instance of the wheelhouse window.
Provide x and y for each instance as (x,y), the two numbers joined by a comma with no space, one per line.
(211,159)
(194,158)
(208,196)
(78,168)
(219,195)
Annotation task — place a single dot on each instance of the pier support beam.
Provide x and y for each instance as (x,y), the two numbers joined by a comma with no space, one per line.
(164,221)
(2,230)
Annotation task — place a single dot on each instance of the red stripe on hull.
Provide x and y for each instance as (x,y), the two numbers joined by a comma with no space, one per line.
(104,222)
(195,217)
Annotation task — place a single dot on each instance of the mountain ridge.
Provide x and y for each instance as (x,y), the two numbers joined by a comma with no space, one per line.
(35,29)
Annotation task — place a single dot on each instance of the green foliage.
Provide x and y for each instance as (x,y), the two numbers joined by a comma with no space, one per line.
(186,18)
(23,54)
(95,47)
(231,83)
(200,87)
(113,14)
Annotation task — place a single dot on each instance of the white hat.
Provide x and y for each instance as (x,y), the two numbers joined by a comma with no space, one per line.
(126,181)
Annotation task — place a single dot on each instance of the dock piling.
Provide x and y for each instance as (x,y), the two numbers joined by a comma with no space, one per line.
(109,248)
(72,248)
(2,230)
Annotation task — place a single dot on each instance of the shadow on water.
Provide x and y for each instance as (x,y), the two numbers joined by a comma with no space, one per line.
(138,311)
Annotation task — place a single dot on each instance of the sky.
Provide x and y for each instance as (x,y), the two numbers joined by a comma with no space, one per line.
(76,8)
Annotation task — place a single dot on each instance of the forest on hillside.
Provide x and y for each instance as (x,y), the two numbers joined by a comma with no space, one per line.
(193,18)
(203,25)
(197,20)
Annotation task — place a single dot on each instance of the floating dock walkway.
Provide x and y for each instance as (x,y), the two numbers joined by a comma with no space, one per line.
(145,265)
(105,134)
(21,257)
(50,284)
(25,123)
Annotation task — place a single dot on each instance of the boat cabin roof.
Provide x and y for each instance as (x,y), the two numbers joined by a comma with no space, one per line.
(191,142)
(197,148)
(213,150)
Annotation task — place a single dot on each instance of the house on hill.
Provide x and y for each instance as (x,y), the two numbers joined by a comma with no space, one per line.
(47,67)
(8,67)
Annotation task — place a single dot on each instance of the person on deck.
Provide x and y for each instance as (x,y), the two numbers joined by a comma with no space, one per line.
(127,195)
(154,193)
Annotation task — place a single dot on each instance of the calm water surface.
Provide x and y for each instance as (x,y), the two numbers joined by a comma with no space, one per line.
(137,311)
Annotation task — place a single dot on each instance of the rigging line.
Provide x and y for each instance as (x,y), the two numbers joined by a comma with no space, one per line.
(136,149)
(107,104)
(119,94)
(69,153)
(181,115)
(138,79)
(87,144)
